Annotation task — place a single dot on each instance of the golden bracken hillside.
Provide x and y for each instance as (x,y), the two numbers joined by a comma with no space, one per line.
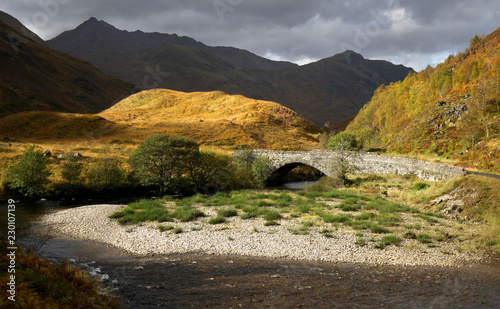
(210,118)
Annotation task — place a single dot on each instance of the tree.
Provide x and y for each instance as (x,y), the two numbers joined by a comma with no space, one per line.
(241,174)
(210,170)
(251,170)
(29,174)
(261,170)
(72,170)
(162,160)
(106,174)
(345,145)
(343,141)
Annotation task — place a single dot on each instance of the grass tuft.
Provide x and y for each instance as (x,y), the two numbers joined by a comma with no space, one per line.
(388,240)
(217,220)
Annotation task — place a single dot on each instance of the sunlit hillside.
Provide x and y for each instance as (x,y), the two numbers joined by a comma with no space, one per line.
(210,118)
(213,118)
(451,111)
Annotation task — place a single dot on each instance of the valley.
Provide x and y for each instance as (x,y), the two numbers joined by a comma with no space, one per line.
(143,142)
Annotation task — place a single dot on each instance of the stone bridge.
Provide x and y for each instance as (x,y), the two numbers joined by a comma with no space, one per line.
(367,162)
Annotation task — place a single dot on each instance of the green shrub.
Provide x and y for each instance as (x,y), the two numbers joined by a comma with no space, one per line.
(365,216)
(491,243)
(261,170)
(429,219)
(388,219)
(358,225)
(410,235)
(350,208)
(265,203)
(308,224)
(247,216)
(343,141)
(72,169)
(303,230)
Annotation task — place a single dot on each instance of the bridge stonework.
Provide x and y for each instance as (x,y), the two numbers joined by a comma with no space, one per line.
(367,162)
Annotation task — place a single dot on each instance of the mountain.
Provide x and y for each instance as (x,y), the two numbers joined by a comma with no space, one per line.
(451,111)
(210,118)
(94,36)
(329,90)
(37,77)
(335,88)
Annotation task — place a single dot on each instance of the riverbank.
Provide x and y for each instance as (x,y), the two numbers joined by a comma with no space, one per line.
(249,238)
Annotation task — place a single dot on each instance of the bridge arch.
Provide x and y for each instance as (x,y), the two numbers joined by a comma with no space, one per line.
(278,175)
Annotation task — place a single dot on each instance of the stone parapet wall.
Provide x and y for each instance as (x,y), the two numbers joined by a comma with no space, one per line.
(375,163)
(381,164)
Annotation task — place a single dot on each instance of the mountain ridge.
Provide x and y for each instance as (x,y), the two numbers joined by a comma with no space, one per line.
(197,67)
(138,41)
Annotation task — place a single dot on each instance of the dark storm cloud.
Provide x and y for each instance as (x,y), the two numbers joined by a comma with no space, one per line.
(415,33)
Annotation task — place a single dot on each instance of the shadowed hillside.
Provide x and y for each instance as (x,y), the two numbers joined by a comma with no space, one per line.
(36,77)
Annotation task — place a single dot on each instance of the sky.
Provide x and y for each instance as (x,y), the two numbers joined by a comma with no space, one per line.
(415,33)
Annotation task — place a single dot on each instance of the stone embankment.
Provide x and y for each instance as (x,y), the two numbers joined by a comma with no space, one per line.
(245,237)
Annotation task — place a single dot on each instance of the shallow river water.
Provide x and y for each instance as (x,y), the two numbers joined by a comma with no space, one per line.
(198,280)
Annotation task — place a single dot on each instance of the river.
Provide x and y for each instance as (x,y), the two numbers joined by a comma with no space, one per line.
(205,281)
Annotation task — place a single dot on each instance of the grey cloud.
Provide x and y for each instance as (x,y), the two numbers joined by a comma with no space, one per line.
(287,29)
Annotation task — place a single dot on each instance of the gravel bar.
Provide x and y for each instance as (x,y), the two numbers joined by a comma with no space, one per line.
(247,238)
